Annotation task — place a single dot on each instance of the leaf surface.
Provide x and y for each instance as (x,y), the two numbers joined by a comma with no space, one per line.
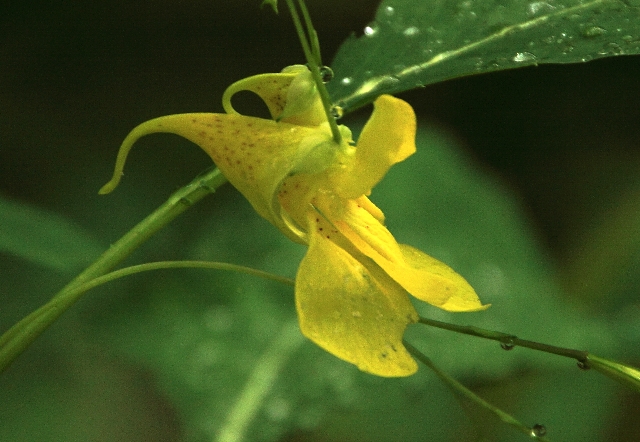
(413,43)
(44,238)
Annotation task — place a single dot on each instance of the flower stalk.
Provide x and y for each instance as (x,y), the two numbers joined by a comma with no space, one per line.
(311,48)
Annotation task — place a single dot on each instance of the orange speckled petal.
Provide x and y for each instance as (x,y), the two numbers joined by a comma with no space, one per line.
(254,154)
(355,313)
(424,277)
(387,138)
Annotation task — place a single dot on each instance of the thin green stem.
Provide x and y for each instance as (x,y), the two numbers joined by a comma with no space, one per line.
(460,389)
(507,339)
(308,40)
(163,265)
(15,340)
(313,35)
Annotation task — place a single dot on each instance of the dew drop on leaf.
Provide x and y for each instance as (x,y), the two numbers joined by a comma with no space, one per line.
(539,8)
(371,29)
(611,49)
(521,57)
(593,31)
(389,11)
(411,31)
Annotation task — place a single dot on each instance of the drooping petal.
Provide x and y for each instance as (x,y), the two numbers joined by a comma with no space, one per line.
(254,154)
(386,139)
(356,313)
(422,276)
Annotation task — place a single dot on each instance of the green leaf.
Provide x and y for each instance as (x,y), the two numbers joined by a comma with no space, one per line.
(45,238)
(413,43)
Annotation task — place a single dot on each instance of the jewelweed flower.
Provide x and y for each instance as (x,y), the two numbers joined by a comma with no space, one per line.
(351,287)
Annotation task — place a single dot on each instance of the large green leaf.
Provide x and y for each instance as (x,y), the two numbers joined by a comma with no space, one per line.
(413,43)
(45,238)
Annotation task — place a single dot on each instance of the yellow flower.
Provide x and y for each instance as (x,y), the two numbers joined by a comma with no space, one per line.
(351,287)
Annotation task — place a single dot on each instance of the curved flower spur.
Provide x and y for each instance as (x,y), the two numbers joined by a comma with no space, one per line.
(351,286)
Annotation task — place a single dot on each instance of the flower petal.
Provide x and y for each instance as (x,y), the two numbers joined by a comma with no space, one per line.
(356,313)
(272,88)
(254,154)
(290,95)
(387,138)
(424,277)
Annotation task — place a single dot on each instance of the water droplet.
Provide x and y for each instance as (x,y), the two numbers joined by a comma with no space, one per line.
(389,11)
(337,112)
(390,80)
(346,81)
(593,31)
(611,49)
(411,31)
(521,57)
(371,29)
(538,430)
(539,8)
(326,73)
(507,345)
(584,365)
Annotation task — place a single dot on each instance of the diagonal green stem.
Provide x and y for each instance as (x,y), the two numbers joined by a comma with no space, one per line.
(15,340)
(508,340)
(460,389)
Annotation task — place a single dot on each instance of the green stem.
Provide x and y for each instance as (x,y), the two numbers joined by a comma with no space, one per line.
(313,60)
(15,340)
(508,340)
(460,389)
(163,265)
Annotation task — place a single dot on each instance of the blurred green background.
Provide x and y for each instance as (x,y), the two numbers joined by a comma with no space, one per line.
(526,182)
